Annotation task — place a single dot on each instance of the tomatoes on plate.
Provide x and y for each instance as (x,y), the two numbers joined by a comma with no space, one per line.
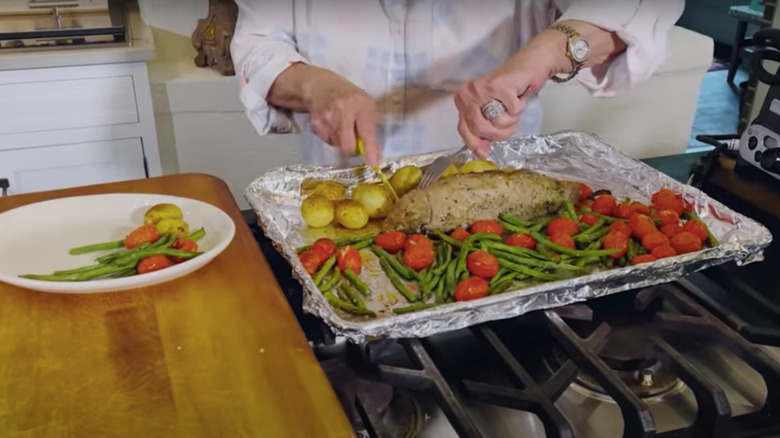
(562,225)
(418,240)
(521,240)
(325,247)
(604,204)
(419,257)
(186,244)
(460,234)
(391,241)
(563,240)
(589,219)
(311,261)
(616,240)
(153,263)
(471,289)
(143,234)
(349,258)
(488,227)
(482,264)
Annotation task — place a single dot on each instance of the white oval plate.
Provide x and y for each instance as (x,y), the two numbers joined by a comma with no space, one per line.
(36,238)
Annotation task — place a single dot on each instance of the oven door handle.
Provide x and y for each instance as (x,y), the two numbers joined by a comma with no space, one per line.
(48,4)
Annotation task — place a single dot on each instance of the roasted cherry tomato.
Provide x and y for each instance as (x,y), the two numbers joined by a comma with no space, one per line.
(585,192)
(604,204)
(324,247)
(696,228)
(153,263)
(487,226)
(662,252)
(418,240)
(616,240)
(667,217)
(419,257)
(644,258)
(589,219)
(666,199)
(188,245)
(663,193)
(471,289)
(641,225)
(521,239)
(562,225)
(143,234)
(460,234)
(638,207)
(686,242)
(311,261)
(623,210)
(482,264)
(563,240)
(653,240)
(671,230)
(349,258)
(621,227)
(392,241)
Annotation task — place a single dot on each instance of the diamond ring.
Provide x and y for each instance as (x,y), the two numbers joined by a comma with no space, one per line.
(493,109)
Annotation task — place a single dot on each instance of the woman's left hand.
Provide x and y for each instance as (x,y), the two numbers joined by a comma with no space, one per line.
(524,73)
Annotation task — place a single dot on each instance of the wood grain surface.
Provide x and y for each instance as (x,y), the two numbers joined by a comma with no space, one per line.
(217,353)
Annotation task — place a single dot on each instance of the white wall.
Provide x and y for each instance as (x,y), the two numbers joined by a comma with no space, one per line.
(177,16)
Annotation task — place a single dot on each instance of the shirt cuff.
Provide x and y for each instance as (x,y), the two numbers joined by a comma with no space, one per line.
(642,25)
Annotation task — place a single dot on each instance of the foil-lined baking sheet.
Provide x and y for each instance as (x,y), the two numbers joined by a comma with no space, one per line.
(276,198)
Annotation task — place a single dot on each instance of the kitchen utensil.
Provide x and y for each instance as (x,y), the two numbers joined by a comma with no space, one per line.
(44,232)
(362,151)
(434,170)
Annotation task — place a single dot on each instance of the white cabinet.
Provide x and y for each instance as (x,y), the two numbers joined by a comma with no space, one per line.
(72,126)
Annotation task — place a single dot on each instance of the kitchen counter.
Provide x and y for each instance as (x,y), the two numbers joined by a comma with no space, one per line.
(140,49)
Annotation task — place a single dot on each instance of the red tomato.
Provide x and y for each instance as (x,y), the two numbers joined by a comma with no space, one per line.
(662,252)
(585,192)
(667,217)
(349,258)
(663,193)
(666,199)
(562,225)
(487,226)
(654,240)
(392,241)
(686,242)
(563,240)
(589,219)
(641,225)
(696,228)
(621,227)
(616,240)
(671,230)
(521,239)
(143,234)
(471,289)
(416,240)
(183,245)
(324,247)
(153,263)
(419,257)
(604,204)
(311,261)
(482,264)
(638,207)
(644,258)
(460,234)
(623,211)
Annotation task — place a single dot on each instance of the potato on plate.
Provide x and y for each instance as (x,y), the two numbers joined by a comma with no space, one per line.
(376,199)
(317,211)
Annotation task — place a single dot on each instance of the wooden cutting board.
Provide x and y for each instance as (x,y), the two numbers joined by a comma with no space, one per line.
(217,353)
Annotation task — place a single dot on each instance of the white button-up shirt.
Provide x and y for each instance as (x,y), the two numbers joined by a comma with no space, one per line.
(411,55)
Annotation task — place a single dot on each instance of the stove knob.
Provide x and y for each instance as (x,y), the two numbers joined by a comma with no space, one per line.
(752,143)
(758,156)
(770,160)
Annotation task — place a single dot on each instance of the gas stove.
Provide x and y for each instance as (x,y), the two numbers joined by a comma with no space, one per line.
(695,358)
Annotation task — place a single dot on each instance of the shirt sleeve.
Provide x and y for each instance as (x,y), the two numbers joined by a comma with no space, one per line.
(262,48)
(643,25)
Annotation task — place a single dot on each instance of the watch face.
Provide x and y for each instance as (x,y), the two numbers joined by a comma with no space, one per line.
(580,50)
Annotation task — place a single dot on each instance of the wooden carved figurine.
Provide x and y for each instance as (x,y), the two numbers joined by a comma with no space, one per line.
(212,37)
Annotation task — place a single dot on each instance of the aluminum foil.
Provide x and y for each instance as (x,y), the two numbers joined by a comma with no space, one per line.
(277,195)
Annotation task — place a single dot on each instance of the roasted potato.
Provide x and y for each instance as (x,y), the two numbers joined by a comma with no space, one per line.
(376,199)
(317,211)
(162,211)
(450,170)
(405,179)
(351,215)
(477,166)
(331,190)
(176,227)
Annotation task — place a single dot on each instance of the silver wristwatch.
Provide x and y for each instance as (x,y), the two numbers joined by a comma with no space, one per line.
(577,50)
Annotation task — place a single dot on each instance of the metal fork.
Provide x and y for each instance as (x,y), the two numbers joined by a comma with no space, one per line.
(437,168)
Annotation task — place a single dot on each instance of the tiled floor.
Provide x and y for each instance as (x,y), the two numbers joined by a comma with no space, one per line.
(718,109)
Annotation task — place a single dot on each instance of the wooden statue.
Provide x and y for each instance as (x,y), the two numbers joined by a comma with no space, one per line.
(212,37)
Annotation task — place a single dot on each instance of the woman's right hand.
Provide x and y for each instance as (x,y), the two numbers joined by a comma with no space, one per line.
(339,110)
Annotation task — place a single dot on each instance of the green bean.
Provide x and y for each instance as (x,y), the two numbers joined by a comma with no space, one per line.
(347,307)
(365,243)
(541,224)
(440,290)
(575,252)
(326,267)
(81,276)
(501,286)
(549,254)
(447,239)
(398,266)
(135,257)
(198,234)
(569,207)
(512,228)
(464,251)
(449,278)
(357,282)
(529,271)
(350,292)
(536,263)
(331,283)
(519,250)
(342,241)
(632,249)
(514,220)
(608,219)
(414,308)
(105,246)
(622,262)
(595,236)
(502,272)
(78,270)
(395,280)
(599,223)
(712,241)
(341,294)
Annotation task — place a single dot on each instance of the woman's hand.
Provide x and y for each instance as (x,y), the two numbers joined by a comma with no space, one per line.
(524,73)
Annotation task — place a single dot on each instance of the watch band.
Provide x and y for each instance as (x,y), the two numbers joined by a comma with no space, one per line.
(572,35)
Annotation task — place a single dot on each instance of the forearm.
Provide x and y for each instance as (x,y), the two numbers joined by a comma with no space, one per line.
(295,86)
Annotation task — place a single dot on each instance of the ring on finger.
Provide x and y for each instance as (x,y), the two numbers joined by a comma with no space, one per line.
(493,109)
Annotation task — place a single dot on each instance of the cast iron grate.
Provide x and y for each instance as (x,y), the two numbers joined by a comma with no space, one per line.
(526,392)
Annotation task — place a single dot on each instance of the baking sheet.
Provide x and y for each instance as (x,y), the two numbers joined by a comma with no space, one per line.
(276,197)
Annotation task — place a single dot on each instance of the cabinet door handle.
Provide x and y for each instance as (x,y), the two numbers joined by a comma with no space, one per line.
(4,184)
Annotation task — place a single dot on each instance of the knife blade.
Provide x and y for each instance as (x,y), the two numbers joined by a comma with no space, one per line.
(361,148)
